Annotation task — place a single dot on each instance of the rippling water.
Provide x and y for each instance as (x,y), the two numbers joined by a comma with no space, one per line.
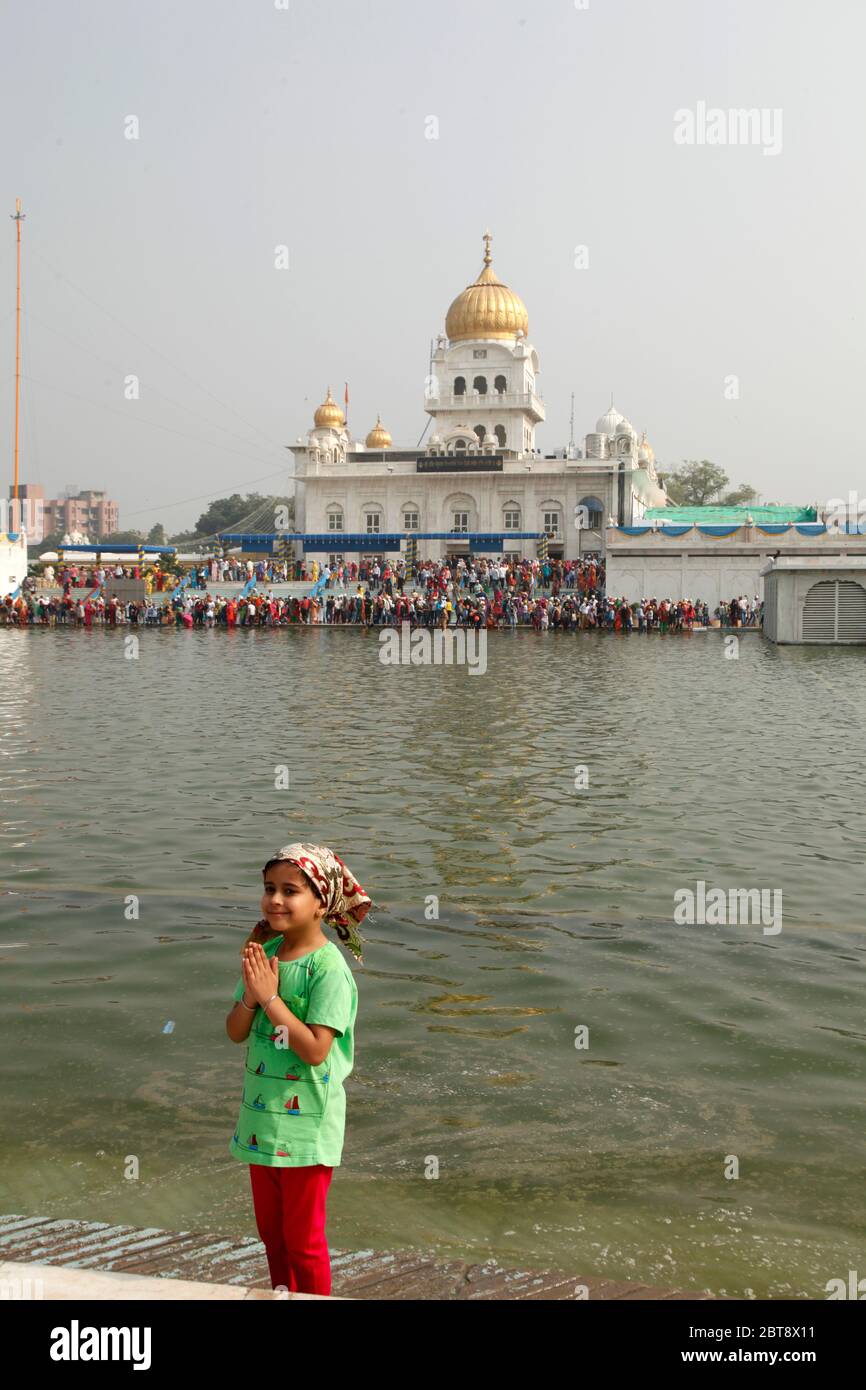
(155,777)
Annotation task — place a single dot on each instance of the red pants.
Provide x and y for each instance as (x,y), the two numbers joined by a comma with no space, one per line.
(289,1205)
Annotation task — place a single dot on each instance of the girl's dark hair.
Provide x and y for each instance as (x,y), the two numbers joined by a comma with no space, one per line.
(307,880)
(262,932)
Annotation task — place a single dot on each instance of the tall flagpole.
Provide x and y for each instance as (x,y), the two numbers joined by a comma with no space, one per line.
(17,217)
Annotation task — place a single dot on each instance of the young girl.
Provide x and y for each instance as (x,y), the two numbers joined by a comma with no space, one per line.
(296,1001)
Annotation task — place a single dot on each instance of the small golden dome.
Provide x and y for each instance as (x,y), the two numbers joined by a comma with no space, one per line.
(645,450)
(378,438)
(329,415)
(486,308)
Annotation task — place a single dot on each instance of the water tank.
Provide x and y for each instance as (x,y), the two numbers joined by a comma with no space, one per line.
(597,446)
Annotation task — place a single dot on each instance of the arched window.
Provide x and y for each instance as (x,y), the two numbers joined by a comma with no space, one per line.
(460,445)
(594,512)
(511,517)
(335,517)
(480,385)
(460,386)
(500,385)
(551,518)
(480,431)
(499,431)
(459,512)
(372,514)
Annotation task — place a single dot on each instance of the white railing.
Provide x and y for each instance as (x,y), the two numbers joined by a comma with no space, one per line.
(492,400)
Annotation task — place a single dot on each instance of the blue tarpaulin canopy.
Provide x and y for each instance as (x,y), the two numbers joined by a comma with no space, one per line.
(377,542)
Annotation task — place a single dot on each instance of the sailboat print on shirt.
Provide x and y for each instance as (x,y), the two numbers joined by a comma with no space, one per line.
(292,1106)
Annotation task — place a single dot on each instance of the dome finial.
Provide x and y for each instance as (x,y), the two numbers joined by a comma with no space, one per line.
(378,438)
(487,308)
(329,415)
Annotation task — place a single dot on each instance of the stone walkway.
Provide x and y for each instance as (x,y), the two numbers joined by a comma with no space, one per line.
(86,1258)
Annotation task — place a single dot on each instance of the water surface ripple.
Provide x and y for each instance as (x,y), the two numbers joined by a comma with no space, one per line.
(156,777)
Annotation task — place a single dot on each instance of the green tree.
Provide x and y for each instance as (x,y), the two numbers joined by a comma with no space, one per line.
(156,534)
(739,496)
(228,513)
(121,538)
(51,541)
(702,484)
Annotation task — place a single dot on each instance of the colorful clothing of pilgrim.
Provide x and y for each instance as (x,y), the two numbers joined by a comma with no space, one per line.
(292,1113)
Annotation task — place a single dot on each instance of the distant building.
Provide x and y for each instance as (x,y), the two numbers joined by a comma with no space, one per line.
(91,511)
(816,599)
(480,471)
(13,563)
(717,553)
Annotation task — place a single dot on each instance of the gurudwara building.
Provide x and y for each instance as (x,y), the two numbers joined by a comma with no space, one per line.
(481,470)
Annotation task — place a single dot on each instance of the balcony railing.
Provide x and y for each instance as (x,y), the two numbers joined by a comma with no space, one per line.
(490,400)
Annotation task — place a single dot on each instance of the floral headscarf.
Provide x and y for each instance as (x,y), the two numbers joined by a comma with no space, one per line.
(346,903)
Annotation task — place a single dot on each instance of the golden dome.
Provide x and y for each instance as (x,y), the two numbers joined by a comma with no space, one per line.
(645,450)
(486,308)
(329,415)
(378,438)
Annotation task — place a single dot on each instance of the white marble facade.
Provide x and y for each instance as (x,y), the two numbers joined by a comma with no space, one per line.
(480,467)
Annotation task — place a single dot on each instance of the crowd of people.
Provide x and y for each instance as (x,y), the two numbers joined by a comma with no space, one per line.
(73,576)
(483,593)
(741,612)
(161,578)
(569,613)
(479,575)
(389,575)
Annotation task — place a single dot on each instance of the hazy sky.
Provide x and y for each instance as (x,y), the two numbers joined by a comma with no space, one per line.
(306,126)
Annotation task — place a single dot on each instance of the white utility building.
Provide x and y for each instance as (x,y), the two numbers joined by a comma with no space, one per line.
(816,600)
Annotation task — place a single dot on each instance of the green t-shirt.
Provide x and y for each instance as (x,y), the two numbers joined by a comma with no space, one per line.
(293,1114)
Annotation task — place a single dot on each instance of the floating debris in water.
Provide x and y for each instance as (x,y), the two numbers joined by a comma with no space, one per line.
(169,1027)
